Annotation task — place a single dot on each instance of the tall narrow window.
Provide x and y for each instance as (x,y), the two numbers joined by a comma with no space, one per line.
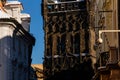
(63,39)
(49,46)
(77,44)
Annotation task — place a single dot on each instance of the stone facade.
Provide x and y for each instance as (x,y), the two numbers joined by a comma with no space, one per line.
(68,38)
(106,18)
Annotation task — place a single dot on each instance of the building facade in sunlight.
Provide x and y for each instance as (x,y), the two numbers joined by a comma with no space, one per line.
(107,21)
(36,72)
(15,43)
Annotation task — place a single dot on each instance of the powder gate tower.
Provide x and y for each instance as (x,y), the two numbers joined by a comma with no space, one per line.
(67,39)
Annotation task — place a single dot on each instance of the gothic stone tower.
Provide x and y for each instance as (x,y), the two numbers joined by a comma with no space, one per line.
(66,26)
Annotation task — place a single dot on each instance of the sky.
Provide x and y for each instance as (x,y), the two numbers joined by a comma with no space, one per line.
(33,7)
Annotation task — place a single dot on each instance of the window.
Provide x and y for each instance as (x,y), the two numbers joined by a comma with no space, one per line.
(77,43)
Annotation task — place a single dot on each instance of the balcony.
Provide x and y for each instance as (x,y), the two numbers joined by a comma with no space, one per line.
(110,58)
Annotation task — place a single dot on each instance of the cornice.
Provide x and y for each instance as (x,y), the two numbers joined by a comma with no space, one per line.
(12,21)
